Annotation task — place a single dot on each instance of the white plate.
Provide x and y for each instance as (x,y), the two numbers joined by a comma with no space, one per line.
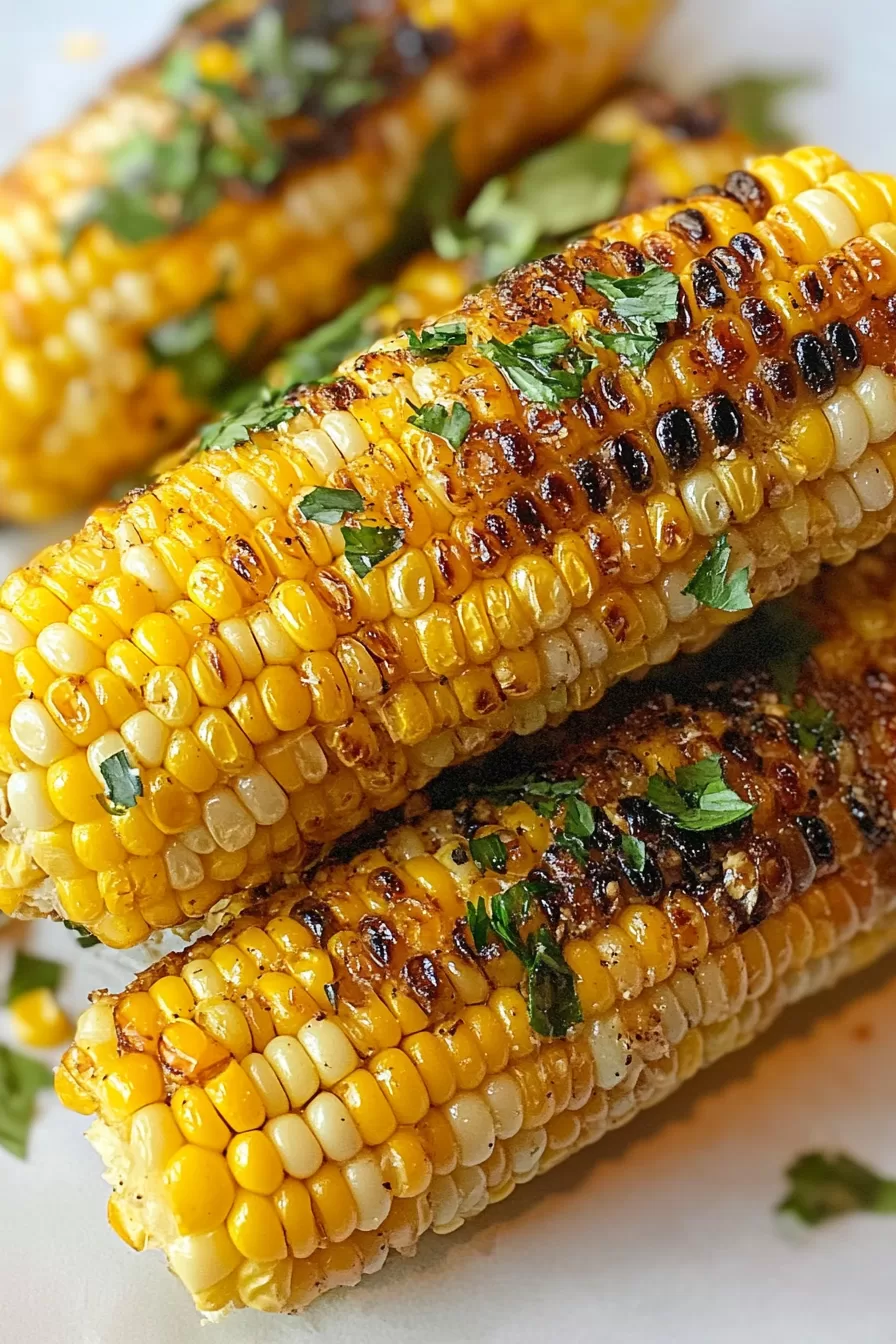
(662,1234)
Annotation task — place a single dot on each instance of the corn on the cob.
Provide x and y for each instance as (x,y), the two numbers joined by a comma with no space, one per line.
(258,682)
(340,1069)
(282,167)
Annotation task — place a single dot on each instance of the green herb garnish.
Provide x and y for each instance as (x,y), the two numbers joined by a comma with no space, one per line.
(327,506)
(266,411)
(85,937)
(544,364)
(828,1185)
(453,425)
(189,345)
(751,105)
(816,728)
(21,1078)
(32,973)
(634,853)
(544,796)
(123,783)
(642,303)
(315,357)
(489,851)
(711,585)
(429,203)
(438,340)
(367,546)
(578,826)
(698,799)
(553,1003)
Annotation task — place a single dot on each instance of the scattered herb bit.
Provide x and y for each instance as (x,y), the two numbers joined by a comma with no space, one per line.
(327,506)
(634,853)
(123,783)
(489,851)
(453,425)
(315,357)
(438,340)
(189,345)
(815,727)
(543,796)
(828,1185)
(429,203)
(642,303)
(710,584)
(479,923)
(578,826)
(367,546)
(543,364)
(555,192)
(698,799)
(85,937)
(32,973)
(21,1078)
(793,639)
(331,989)
(751,105)
(268,410)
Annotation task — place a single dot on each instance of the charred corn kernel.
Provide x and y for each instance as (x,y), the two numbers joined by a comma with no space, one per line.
(39,1020)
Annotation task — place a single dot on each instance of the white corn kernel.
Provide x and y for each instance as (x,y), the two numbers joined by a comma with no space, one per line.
(29,803)
(795,520)
(199,840)
(261,795)
(237,635)
(841,500)
(252,497)
(297,1148)
(611,1050)
(109,744)
(679,604)
(273,641)
(444,1199)
(183,866)
(849,425)
(142,563)
(503,1098)
(146,736)
(472,1188)
(67,651)
(228,822)
(589,638)
(706,505)
(363,1177)
(153,1139)
(203,978)
(473,1128)
(525,1150)
(559,659)
(320,450)
(328,1046)
(203,1260)
(335,1130)
(294,1067)
(36,735)
(832,215)
(872,482)
(13,635)
(276,1102)
(877,393)
(346,433)
(711,984)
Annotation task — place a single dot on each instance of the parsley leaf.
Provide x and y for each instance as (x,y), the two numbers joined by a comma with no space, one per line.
(21,1078)
(698,799)
(497,231)
(430,201)
(636,349)
(532,363)
(32,973)
(510,908)
(543,796)
(189,345)
(84,937)
(479,923)
(634,853)
(367,546)
(453,425)
(554,1005)
(437,340)
(317,355)
(751,105)
(642,303)
(324,505)
(815,728)
(710,584)
(267,411)
(123,783)
(828,1185)
(489,851)
(578,826)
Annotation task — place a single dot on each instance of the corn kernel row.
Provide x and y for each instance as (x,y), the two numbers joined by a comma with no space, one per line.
(272,698)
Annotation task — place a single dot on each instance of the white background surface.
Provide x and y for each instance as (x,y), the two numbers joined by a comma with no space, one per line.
(662,1234)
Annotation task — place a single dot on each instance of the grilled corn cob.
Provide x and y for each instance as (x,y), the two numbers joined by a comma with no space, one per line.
(357,1060)
(230,189)
(240,684)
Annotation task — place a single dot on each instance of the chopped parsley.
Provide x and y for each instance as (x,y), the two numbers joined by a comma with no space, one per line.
(21,1078)
(711,585)
(751,105)
(437,340)
(123,783)
(327,506)
(189,345)
(84,937)
(634,853)
(430,202)
(267,410)
(578,826)
(553,1002)
(544,364)
(453,425)
(815,728)
(642,303)
(698,799)
(828,1185)
(544,796)
(557,191)
(367,546)
(32,973)
(489,851)
(314,357)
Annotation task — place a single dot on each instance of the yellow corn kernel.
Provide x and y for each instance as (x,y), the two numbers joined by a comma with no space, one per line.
(402,1085)
(254,1163)
(236,1098)
(134,1082)
(38,1019)
(199,1189)
(368,1106)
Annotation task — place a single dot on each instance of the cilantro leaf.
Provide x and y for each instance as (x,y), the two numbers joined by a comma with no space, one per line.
(579,819)
(634,853)
(367,546)
(21,1078)
(130,215)
(317,355)
(453,425)
(751,102)
(32,973)
(324,505)
(531,362)
(123,783)
(815,728)
(828,1185)
(479,923)
(573,184)
(543,796)
(266,412)
(84,937)
(554,1005)
(497,231)
(510,908)
(642,303)
(710,584)
(489,851)
(430,201)
(634,348)
(189,345)
(437,340)
(698,799)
